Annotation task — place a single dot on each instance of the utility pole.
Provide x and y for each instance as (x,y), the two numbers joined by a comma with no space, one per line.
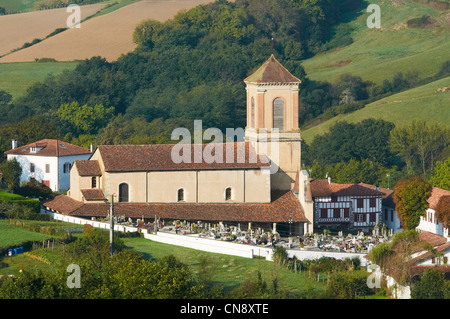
(111,227)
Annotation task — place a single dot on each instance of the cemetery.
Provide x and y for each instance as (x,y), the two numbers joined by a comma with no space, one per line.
(246,234)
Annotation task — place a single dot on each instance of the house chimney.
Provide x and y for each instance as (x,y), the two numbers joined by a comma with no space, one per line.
(14,144)
(329,180)
(92,148)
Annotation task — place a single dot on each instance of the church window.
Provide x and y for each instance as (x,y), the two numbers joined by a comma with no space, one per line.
(278,113)
(123,192)
(228,193)
(94,182)
(181,195)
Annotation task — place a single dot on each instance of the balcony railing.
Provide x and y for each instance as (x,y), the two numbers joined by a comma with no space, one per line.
(334,220)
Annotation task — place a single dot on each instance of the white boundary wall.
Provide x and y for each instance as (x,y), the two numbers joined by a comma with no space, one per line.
(211,245)
(83,221)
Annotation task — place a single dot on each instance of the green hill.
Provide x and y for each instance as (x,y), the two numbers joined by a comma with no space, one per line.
(16,78)
(378,54)
(425,102)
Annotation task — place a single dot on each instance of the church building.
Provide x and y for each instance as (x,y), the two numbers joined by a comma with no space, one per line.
(255,188)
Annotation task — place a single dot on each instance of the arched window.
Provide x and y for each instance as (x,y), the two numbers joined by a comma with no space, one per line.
(253,112)
(228,193)
(181,195)
(123,192)
(94,182)
(278,113)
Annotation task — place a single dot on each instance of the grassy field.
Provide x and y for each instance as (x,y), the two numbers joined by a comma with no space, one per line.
(11,235)
(16,78)
(18,5)
(231,271)
(378,54)
(423,102)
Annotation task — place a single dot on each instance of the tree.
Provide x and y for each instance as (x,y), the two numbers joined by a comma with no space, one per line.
(88,119)
(432,285)
(410,197)
(360,141)
(11,173)
(393,256)
(443,211)
(419,144)
(441,176)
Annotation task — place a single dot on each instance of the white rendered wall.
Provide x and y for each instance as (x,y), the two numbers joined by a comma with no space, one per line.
(40,162)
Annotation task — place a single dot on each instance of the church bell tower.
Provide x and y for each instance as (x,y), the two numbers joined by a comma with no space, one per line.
(272,120)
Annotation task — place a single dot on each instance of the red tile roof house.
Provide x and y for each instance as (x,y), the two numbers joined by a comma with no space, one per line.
(48,161)
(343,206)
(429,222)
(388,214)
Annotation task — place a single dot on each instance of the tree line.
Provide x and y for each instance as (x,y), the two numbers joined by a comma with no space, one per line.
(376,152)
(187,68)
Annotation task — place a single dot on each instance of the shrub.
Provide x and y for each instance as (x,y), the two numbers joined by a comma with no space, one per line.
(280,256)
(421,22)
(347,285)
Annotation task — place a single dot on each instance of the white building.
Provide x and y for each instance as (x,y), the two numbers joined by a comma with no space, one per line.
(389,215)
(48,161)
(429,222)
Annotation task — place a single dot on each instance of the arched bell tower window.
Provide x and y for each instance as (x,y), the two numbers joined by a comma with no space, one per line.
(123,193)
(253,112)
(278,113)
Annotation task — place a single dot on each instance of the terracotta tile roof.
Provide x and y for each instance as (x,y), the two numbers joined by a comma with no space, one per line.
(88,168)
(49,147)
(284,206)
(436,195)
(272,72)
(321,188)
(93,194)
(132,158)
(418,270)
(63,203)
(432,238)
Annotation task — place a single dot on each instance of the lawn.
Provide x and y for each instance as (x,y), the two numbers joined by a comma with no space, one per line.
(11,235)
(378,54)
(18,5)
(231,271)
(16,78)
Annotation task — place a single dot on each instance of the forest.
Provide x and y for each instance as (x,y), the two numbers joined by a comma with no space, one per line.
(192,67)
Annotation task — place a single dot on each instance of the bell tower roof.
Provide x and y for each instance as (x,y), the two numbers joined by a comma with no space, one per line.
(272,71)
